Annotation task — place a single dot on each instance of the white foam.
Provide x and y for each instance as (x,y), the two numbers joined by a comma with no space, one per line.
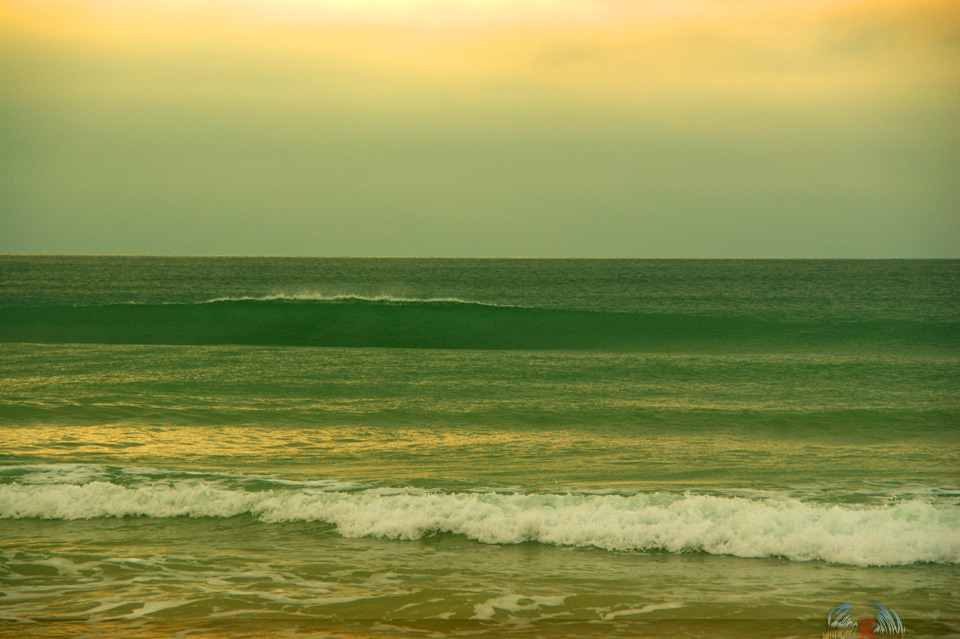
(103,499)
(513,603)
(64,566)
(326,484)
(55,473)
(349,297)
(151,607)
(643,611)
(890,534)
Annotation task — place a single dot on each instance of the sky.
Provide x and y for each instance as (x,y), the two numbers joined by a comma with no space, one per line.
(481,128)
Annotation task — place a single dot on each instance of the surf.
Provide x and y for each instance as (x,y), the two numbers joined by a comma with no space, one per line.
(889,534)
(349,321)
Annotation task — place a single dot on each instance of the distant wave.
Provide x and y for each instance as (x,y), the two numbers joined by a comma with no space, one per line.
(357,321)
(319,297)
(895,534)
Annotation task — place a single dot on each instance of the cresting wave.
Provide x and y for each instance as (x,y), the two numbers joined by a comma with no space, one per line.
(895,534)
(347,297)
(353,321)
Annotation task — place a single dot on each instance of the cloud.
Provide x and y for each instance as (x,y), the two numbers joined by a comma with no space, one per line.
(140,120)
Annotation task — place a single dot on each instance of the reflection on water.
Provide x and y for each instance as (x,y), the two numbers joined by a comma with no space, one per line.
(547,458)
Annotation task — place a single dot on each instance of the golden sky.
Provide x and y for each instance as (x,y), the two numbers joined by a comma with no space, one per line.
(694,128)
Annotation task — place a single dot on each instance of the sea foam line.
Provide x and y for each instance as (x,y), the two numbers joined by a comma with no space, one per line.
(350,297)
(894,534)
(311,297)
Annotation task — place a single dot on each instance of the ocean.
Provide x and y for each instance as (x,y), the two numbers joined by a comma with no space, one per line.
(250,447)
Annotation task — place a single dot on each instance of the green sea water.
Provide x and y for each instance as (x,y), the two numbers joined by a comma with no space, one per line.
(392,447)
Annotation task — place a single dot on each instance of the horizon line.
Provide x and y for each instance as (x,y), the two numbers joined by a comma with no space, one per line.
(448,257)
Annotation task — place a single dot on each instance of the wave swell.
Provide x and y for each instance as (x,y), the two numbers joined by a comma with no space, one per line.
(893,534)
(350,321)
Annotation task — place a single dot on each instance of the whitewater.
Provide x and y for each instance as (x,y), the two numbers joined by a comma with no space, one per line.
(892,534)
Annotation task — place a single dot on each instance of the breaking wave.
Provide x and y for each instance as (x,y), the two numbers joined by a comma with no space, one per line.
(356,321)
(892,534)
(319,297)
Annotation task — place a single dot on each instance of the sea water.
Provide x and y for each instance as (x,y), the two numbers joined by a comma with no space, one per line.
(446,447)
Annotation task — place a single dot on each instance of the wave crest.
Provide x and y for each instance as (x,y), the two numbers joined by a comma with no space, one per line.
(391,322)
(897,534)
(350,297)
